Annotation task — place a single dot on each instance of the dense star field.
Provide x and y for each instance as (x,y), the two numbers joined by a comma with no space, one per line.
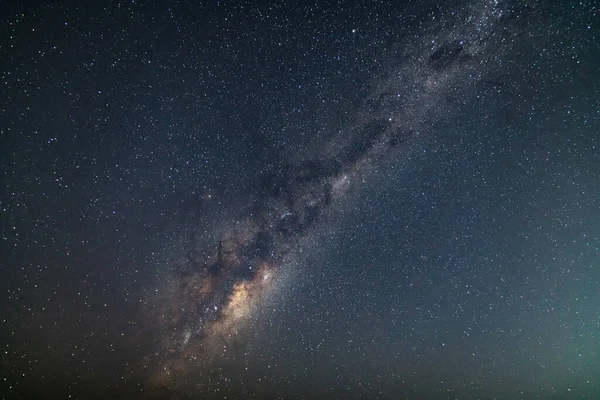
(396,200)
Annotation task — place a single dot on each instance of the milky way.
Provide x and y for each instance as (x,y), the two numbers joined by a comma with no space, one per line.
(214,291)
(300,199)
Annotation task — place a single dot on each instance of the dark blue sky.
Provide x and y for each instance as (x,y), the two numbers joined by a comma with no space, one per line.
(308,200)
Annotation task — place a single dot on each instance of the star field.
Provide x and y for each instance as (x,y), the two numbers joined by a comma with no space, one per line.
(307,200)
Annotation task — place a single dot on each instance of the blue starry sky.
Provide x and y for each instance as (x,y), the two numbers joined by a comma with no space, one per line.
(334,199)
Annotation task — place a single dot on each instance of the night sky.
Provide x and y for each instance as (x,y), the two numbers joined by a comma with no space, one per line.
(396,200)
